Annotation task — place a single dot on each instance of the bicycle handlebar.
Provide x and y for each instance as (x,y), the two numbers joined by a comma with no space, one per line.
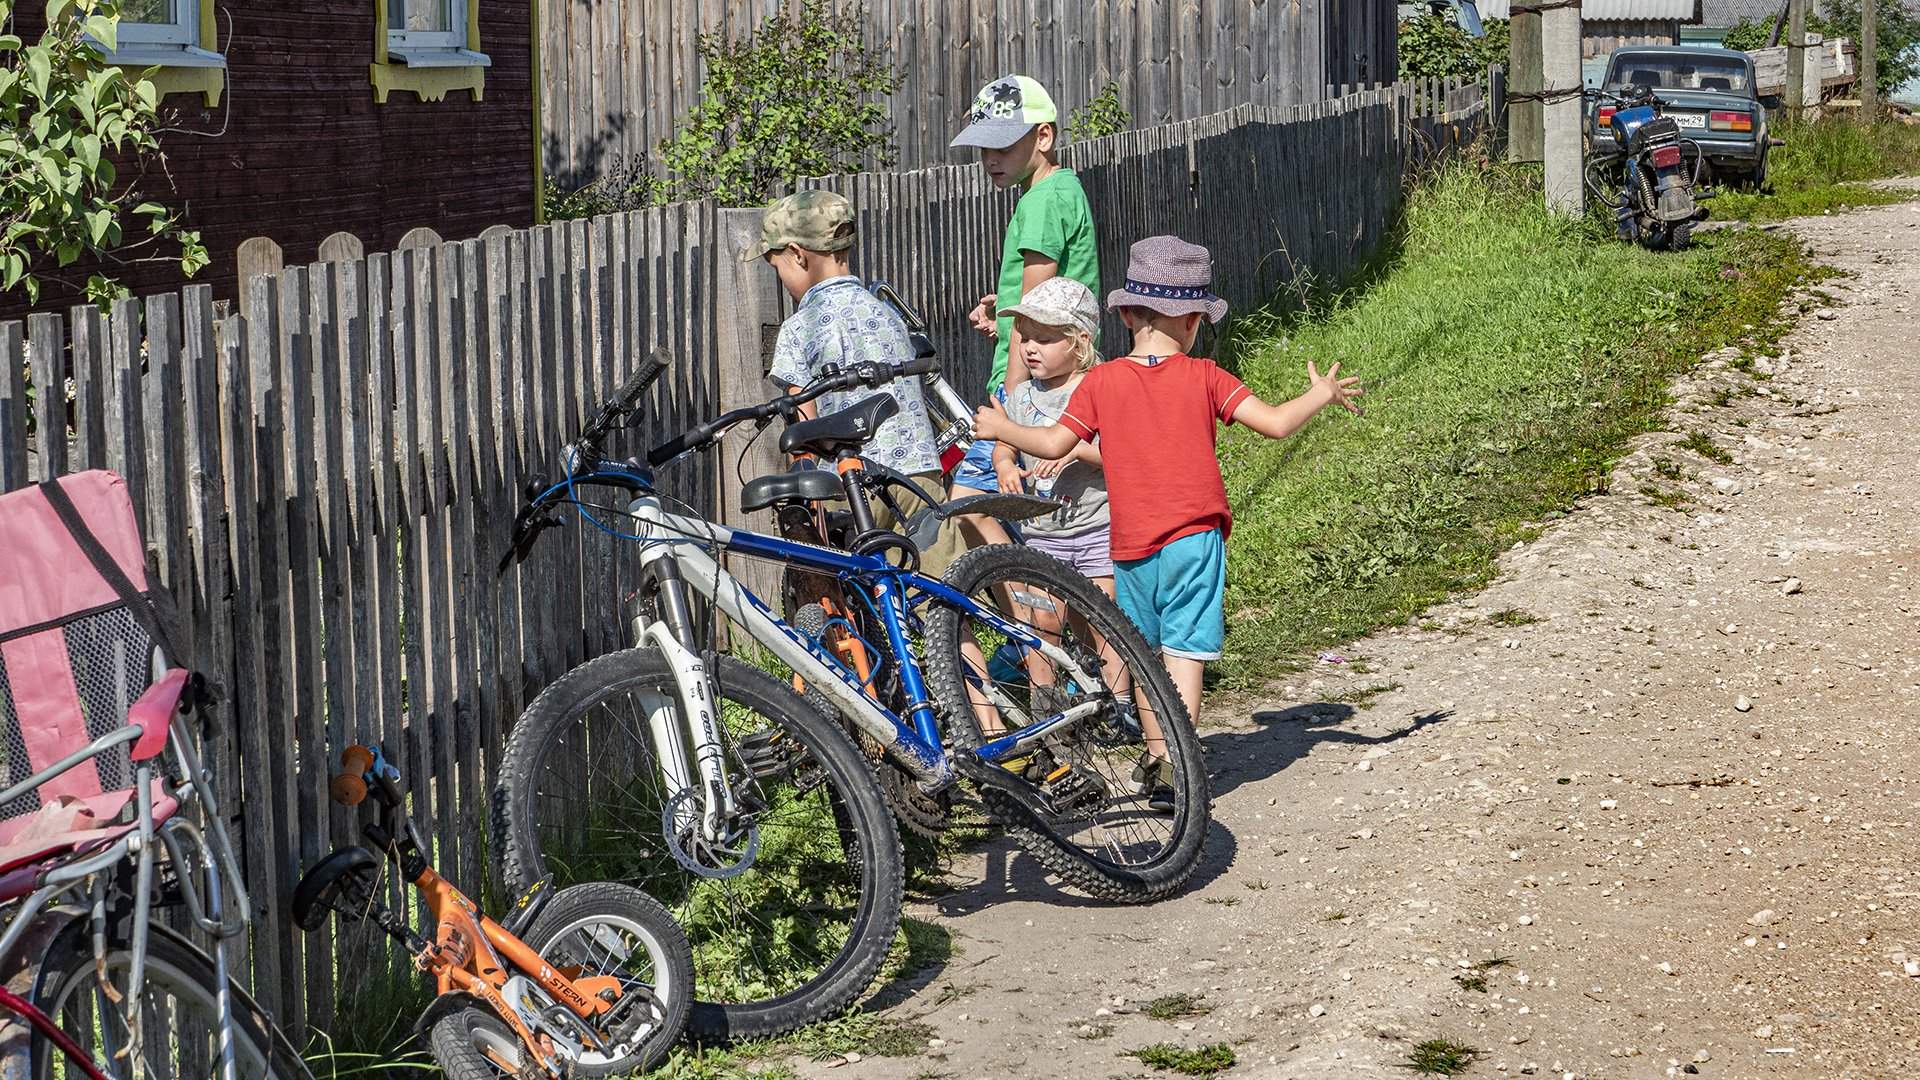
(349,786)
(869,374)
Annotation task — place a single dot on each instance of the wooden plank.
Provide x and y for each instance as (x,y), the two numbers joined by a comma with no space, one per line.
(209,601)
(46,355)
(13,407)
(432,359)
(125,421)
(333,522)
(455,306)
(277,961)
(166,524)
(496,467)
(383,551)
(88,357)
(246,692)
(542,571)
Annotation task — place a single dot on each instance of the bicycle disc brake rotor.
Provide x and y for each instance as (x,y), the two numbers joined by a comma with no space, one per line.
(730,856)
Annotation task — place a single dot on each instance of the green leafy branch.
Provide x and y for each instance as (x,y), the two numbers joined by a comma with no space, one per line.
(66,114)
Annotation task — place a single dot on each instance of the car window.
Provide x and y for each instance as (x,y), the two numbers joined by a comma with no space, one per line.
(1678,73)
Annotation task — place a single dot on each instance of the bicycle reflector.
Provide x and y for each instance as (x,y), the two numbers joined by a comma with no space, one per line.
(1730,121)
(1666,157)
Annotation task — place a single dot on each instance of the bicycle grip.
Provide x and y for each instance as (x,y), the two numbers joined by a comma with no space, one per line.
(349,786)
(650,369)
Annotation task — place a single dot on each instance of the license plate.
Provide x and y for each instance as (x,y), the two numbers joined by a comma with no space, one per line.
(1690,120)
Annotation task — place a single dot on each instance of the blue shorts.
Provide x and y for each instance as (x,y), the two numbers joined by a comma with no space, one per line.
(976,469)
(1175,595)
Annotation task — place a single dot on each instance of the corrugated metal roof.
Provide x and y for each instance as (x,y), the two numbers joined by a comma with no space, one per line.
(1724,13)
(1609,9)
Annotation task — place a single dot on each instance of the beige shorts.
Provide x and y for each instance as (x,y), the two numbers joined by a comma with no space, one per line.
(947,546)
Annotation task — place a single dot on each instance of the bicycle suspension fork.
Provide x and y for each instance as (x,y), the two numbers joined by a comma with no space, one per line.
(687,731)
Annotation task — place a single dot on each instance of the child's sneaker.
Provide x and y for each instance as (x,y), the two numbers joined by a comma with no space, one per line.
(1152,778)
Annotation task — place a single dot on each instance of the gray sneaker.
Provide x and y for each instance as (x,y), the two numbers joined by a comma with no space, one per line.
(1152,777)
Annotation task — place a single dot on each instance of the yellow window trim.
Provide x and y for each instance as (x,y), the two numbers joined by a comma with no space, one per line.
(426,83)
(208,82)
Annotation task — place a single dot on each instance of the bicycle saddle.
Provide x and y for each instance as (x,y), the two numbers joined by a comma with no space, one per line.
(807,485)
(847,429)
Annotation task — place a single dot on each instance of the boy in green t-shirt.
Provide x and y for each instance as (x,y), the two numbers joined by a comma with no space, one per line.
(1016,127)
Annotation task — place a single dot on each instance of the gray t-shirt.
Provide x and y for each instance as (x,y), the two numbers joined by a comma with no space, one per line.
(1080,486)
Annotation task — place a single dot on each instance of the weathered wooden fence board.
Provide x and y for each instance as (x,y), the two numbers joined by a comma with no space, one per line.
(328,477)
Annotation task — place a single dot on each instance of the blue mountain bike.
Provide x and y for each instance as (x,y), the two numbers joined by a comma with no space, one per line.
(1014,671)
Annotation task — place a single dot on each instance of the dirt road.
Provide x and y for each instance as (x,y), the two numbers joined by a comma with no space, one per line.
(1664,768)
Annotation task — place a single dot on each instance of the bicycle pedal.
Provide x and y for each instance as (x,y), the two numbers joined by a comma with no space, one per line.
(766,753)
(985,774)
(1071,787)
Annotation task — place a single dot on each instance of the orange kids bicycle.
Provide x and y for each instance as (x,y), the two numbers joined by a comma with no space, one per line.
(592,980)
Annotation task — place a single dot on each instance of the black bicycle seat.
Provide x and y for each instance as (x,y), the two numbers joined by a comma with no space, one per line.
(806,485)
(847,429)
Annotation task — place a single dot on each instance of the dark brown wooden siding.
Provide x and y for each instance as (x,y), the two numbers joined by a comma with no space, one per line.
(306,152)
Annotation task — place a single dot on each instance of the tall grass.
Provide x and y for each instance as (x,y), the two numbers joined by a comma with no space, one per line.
(1507,356)
(1823,166)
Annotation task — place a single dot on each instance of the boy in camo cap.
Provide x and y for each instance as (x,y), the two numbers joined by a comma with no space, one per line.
(807,238)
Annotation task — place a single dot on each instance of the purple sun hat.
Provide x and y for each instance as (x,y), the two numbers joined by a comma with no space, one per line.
(1168,276)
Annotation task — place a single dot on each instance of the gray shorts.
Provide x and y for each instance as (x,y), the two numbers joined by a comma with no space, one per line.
(1090,552)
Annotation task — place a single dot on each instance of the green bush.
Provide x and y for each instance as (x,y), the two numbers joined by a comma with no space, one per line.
(1100,117)
(64,114)
(799,98)
(1435,45)
(1897,31)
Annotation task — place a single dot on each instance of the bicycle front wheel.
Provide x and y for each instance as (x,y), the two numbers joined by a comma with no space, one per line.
(790,921)
(1116,804)
(178,1014)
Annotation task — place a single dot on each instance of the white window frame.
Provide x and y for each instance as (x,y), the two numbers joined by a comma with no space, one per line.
(435,48)
(175,43)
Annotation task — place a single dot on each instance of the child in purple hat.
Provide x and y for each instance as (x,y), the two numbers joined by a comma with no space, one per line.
(1155,411)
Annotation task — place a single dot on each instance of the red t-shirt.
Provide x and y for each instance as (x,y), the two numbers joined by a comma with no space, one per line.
(1156,428)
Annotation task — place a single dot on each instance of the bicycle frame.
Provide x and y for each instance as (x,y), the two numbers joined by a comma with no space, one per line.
(474,955)
(673,547)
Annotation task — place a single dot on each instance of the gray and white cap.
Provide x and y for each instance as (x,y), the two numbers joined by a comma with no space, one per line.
(1005,111)
(1059,301)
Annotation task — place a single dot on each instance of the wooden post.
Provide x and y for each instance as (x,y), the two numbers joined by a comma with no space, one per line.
(743,348)
(1869,62)
(1796,57)
(1560,68)
(1526,134)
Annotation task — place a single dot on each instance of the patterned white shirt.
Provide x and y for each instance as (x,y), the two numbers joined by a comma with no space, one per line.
(840,322)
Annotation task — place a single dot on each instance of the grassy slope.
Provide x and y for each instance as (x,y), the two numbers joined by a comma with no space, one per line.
(1823,167)
(1507,357)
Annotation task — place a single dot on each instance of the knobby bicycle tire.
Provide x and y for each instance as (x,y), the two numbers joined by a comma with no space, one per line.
(946,678)
(870,842)
(261,1050)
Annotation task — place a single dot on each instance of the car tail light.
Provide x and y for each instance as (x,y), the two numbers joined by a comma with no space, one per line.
(1666,157)
(1603,120)
(1730,121)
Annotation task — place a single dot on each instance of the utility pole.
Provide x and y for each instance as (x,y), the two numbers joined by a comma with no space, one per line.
(1562,83)
(1869,60)
(1796,57)
(1525,133)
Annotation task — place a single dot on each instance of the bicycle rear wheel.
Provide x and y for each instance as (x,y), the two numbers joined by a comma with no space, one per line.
(179,1013)
(788,926)
(1117,803)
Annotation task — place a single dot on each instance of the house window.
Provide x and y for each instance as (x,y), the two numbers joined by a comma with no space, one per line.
(160,22)
(429,47)
(174,41)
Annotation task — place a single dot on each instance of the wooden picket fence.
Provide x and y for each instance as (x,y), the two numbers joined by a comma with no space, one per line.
(327,477)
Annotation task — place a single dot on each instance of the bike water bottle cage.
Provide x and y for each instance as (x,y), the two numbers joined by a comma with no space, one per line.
(844,431)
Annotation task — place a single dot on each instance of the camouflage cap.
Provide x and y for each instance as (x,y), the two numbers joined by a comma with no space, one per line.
(815,220)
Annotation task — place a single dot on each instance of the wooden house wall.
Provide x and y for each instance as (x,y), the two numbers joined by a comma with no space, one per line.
(297,149)
(1598,37)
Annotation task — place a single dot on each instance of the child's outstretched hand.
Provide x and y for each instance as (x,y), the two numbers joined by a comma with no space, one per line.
(1337,390)
(991,421)
(982,316)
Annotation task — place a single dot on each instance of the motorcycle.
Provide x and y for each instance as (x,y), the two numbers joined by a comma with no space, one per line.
(1647,180)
